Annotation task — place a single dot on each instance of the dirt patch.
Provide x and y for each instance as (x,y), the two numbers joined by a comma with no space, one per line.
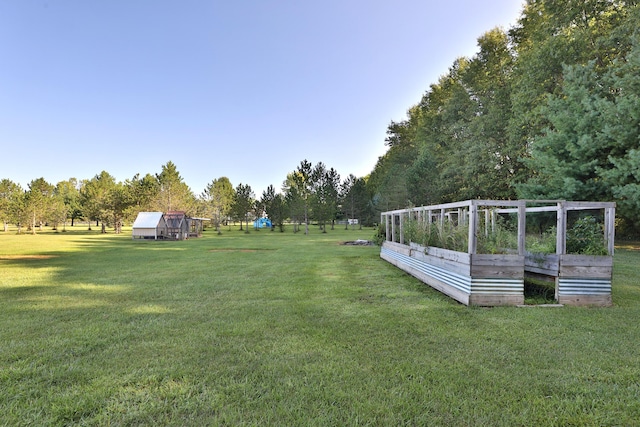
(238,250)
(25,257)
(358,242)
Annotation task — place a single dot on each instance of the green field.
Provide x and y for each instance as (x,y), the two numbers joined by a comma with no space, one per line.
(272,328)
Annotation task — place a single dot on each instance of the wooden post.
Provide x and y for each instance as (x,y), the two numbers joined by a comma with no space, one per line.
(401,237)
(486,222)
(522,227)
(609,228)
(393,227)
(385,218)
(561,229)
(493,220)
(473,225)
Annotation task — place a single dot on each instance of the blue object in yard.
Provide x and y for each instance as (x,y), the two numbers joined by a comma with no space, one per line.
(262,223)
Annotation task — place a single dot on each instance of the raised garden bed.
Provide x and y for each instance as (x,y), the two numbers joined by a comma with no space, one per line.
(497,278)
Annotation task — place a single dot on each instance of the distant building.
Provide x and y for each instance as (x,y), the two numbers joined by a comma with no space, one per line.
(177,225)
(196,226)
(150,225)
(174,225)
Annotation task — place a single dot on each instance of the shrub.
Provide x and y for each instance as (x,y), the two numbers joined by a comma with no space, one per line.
(586,237)
(380,235)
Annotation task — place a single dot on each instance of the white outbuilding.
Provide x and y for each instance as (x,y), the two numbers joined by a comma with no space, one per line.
(150,225)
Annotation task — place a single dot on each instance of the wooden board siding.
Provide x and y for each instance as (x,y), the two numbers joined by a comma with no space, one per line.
(544,264)
(497,266)
(491,300)
(586,300)
(455,262)
(586,266)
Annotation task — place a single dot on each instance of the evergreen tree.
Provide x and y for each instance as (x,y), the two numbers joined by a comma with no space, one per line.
(39,202)
(274,206)
(173,194)
(243,203)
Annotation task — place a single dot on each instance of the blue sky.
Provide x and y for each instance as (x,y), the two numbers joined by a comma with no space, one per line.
(243,89)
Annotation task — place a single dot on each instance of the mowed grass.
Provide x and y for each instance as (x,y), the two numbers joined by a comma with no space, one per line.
(272,328)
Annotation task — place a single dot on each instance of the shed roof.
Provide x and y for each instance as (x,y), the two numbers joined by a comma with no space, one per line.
(147,220)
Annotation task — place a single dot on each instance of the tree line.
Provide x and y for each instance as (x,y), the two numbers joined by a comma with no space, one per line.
(546,110)
(309,193)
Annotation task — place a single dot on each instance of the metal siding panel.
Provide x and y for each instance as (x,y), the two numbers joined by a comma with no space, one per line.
(497,286)
(459,282)
(583,286)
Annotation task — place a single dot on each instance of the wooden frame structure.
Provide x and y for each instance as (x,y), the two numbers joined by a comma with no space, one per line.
(474,278)
(196,226)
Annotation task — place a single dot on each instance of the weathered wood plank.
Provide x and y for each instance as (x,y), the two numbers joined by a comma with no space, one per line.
(586,300)
(587,260)
(497,266)
(397,247)
(489,300)
(586,266)
(455,265)
(548,265)
(584,271)
(461,257)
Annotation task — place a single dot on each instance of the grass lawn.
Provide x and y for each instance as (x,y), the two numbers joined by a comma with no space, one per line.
(272,328)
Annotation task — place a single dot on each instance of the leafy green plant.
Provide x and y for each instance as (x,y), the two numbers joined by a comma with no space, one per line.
(544,243)
(410,230)
(586,237)
(380,235)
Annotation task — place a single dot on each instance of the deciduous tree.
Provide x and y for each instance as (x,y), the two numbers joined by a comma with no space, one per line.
(218,197)
(10,192)
(94,197)
(69,192)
